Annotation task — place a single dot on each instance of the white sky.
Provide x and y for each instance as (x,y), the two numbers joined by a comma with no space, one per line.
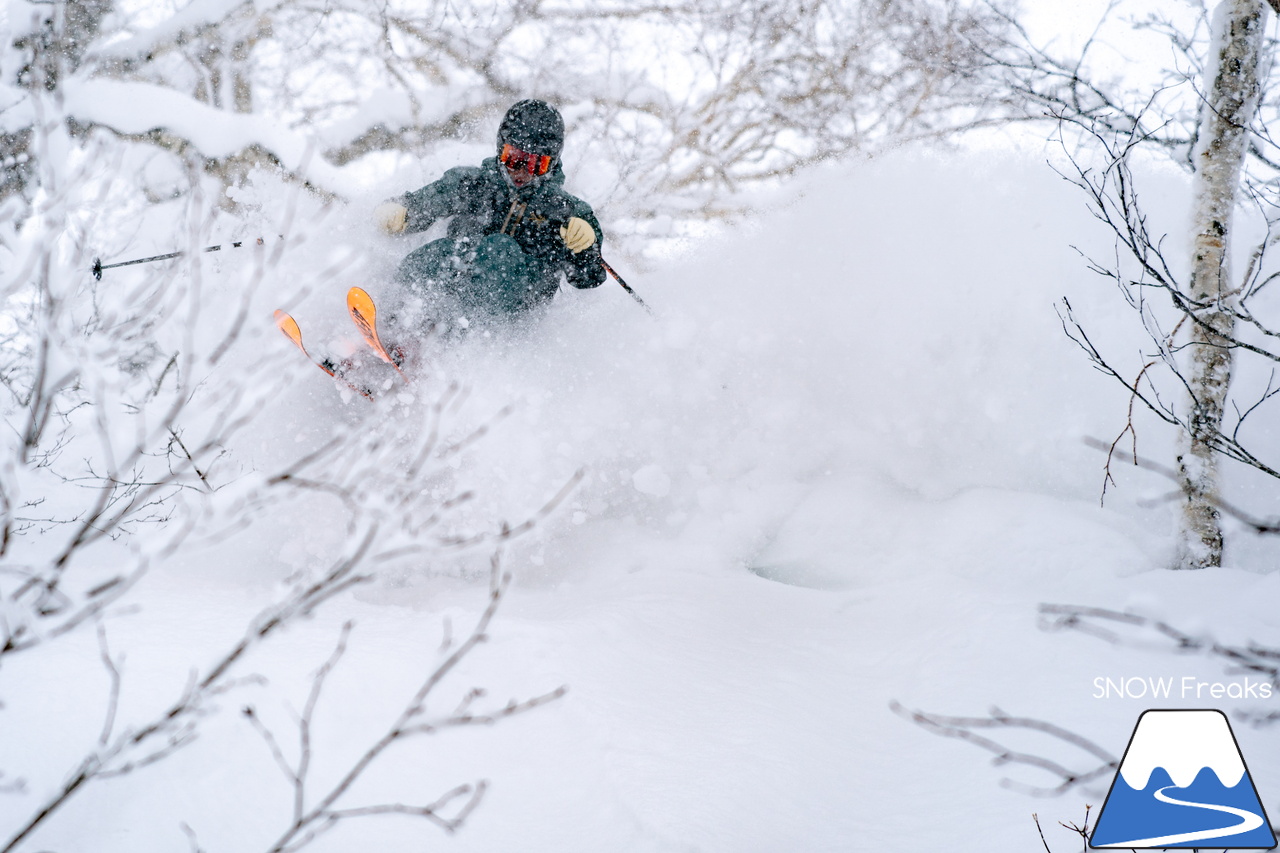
(1069,25)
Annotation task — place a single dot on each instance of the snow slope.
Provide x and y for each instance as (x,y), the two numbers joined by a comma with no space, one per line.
(840,467)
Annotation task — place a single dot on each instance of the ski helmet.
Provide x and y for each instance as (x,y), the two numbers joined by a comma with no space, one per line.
(533,126)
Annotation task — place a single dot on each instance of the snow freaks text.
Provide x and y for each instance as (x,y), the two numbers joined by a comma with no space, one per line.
(1186,687)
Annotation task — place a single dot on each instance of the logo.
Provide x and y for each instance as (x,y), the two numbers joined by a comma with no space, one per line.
(1182,783)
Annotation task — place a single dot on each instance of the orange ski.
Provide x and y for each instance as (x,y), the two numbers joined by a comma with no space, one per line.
(365,315)
(289,326)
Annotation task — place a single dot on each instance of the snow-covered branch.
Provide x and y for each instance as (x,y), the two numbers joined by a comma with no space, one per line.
(967,729)
(315,815)
(675,106)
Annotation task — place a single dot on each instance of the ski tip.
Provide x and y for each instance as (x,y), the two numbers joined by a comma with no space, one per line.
(365,315)
(359,300)
(289,326)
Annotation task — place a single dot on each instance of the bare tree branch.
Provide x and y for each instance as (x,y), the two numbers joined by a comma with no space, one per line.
(311,819)
(966,728)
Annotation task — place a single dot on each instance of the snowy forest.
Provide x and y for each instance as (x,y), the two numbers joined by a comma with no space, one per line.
(926,445)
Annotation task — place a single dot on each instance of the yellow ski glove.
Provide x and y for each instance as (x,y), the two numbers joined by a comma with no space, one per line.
(390,217)
(578,235)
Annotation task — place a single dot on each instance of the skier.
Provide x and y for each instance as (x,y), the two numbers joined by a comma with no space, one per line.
(514,230)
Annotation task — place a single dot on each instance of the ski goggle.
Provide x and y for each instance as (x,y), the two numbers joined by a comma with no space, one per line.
(522,161)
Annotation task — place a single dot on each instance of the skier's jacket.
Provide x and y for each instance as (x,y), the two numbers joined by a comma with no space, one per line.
(482,203)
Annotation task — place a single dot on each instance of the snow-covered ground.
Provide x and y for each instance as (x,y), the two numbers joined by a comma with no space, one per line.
(841,465)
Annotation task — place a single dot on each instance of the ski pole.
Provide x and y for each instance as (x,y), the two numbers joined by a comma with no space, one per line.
(611,271)
(99,266)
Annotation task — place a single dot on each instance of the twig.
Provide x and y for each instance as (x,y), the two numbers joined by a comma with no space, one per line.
(1035,817)
(963,728)
(1248,658)
(309,823)
(113,699)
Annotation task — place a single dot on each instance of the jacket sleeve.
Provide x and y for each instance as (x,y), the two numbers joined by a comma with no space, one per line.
(444,197)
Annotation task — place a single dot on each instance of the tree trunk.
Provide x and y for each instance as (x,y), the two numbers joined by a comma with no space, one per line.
(1230,105)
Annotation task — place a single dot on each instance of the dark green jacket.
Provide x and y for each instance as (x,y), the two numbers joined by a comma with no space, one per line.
(481,203)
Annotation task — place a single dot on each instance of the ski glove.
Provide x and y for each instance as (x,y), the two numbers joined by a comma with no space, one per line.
(390,216)
(578,235)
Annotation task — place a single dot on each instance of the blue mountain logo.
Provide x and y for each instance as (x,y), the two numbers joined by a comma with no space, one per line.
(1183,783)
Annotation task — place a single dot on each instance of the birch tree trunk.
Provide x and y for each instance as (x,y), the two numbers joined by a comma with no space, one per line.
(1229,108)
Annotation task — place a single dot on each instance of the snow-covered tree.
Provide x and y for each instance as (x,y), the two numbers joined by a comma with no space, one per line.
(672,107)
(130,406)
(1211,114)
(1231,102)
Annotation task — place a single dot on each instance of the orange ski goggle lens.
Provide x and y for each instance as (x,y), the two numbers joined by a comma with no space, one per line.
(522,161)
